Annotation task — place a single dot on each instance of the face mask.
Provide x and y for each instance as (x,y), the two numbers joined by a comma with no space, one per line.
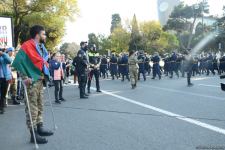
(85,48)
(42,41)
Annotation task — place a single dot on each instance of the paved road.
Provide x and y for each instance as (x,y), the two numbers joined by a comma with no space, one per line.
(158,115)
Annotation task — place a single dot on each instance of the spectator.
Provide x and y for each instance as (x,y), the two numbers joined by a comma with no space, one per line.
(58,77)
(5,77)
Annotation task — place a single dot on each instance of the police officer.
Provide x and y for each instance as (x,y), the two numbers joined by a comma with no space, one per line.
(81,63)
(94,64)
(156,67)
(104,67)
(124,67)
(141,64)
(113,66)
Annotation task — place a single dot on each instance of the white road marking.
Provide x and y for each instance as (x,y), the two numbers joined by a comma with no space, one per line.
(186,93)
(168,113)
(216,86)
(201,78)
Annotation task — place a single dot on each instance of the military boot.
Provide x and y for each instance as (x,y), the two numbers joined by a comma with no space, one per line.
(43,132)
(39,139)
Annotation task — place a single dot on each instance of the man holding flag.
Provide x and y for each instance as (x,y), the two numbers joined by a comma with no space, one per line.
(31,62)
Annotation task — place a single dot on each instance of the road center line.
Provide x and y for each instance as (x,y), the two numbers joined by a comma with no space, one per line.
(177,116)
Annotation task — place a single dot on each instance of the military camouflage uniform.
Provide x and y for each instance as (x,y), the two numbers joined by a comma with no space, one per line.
(133,69)
(13,85)
(35,97)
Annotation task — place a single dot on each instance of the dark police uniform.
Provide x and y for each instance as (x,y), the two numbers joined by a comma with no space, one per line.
(156,67)
(222,64)
(104,67)
(94,60)
(124,67)
(141,64)
(80,62)
(173,65)
(113,66)
(147,65)
(210,64)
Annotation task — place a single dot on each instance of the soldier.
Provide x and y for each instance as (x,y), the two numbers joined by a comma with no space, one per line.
(156,67)
(119,62)
(81,63)
(215,64)
(94,64)
(113,66)
(188,65)
(210,64)
(141,64)
(147,64)
(195,69)
(36,51)
(222,63)
(166,65)
(104,67)
(173,65)
(124,67)
(133,68)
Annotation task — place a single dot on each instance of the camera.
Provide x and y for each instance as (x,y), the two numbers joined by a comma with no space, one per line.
(2,49)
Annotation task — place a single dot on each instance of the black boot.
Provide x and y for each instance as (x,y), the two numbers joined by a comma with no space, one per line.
(62,99)
(15,102)
(43,132)
(132,86)
(2,110)
(39,139)
(57,101)
(83,97)
(99,91)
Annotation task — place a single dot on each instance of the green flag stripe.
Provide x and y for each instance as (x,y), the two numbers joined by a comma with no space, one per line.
(24,65)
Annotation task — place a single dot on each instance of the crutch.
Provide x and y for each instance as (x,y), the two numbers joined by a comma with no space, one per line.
(50,102)
(29,111)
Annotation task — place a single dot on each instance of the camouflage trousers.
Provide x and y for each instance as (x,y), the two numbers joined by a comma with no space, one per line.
(133,75)
(35,97)
(13,88)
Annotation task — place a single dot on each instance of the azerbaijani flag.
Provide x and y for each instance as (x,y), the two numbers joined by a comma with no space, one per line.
(29,60)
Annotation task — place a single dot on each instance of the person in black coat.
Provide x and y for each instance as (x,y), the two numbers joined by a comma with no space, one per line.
(81,63)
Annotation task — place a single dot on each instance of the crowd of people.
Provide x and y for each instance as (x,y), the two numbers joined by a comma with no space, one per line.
(88,63)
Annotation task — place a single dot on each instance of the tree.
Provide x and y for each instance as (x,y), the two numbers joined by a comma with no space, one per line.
(135,40)
(69,49)
(93,40)
(116,22)
(183,20)
(105,44)
(120,39)
(155,39)
(25,13)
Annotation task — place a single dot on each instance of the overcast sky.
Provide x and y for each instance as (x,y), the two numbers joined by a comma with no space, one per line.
(95,15)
